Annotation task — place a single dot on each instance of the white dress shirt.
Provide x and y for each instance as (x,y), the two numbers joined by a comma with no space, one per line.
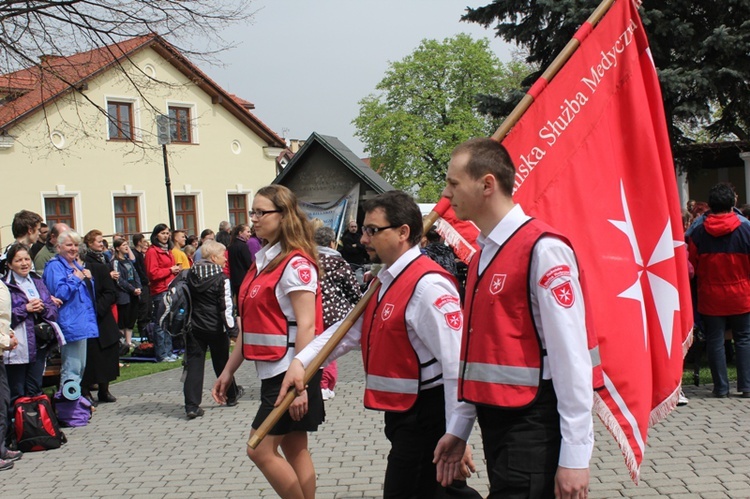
(429,333)
(563,334)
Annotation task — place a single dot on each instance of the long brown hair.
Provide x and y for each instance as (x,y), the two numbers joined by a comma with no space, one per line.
(295,232)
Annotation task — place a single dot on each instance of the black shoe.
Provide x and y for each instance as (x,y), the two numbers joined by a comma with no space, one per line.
(720,395)
(106,397)
(12,455)
(88,397)
(745,395)
(194,413)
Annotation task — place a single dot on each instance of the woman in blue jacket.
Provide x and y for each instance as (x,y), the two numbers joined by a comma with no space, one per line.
(71,282)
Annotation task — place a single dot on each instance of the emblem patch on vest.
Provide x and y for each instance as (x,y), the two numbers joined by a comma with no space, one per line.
(454,320)
(254,291)
(387,311)
(304,274)
(497,283)
(563,294)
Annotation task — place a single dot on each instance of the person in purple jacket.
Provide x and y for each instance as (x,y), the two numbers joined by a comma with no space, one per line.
(254,243)
(32,306)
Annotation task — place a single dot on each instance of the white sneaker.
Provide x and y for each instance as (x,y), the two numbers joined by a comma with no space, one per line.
(327,394)
(683,400)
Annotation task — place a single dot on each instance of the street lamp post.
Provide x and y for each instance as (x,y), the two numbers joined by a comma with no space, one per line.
(164,137)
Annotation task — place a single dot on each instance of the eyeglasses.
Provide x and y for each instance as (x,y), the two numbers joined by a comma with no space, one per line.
(371,231)
(261,213)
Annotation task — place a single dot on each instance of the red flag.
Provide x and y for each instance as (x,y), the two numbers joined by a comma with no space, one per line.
(593,160)
(461,235)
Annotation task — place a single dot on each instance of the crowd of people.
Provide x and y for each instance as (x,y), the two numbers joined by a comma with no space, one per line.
(433,362)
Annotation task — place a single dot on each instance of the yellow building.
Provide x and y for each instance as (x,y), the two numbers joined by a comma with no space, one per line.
(79,142)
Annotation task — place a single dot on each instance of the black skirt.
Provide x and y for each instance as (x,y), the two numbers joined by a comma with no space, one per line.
(127,313)
(269,391)
(102,364)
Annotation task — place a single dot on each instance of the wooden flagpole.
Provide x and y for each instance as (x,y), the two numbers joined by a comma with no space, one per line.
(550,73)
(428,221)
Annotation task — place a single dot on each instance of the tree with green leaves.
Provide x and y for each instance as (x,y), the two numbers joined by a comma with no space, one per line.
(701,51)
(426,105)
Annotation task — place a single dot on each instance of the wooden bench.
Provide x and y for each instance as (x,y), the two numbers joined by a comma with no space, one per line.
(52,372)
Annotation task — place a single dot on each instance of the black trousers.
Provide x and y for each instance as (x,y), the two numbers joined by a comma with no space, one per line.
(198,343)
(413,436)
(522,447)
(144,311)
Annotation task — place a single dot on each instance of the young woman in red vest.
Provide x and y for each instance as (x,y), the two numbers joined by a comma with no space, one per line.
(280,310)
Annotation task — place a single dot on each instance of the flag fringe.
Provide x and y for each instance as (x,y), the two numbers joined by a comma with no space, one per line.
(463,248)
(662,410)
(610,422)
(688,342)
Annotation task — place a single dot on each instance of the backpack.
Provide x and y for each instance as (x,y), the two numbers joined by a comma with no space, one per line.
(177,303)
(36,426)
(144,350)
(72,412)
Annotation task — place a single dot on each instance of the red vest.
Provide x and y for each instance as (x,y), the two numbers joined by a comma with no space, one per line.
(502,359)
(265,329)
(392,369)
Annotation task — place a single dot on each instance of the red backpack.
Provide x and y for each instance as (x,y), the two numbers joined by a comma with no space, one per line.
(36,425)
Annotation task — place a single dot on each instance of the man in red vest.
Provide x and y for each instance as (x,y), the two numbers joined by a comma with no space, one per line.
(410,340)
(526,356)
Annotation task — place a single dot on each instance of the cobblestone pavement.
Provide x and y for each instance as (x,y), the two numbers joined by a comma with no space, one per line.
(142,446)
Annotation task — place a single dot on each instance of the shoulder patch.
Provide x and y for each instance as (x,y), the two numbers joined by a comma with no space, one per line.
(298,261)
(552,274)
(444,300)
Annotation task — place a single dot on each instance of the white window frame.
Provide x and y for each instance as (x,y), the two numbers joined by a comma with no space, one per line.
(77,205)
(141,197)
(136,106)
(199,216)
(194,139)
(248,204)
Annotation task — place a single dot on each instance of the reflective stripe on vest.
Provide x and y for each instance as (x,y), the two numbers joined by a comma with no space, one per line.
(595,359)
(264,340)
(392,385)
(503,375)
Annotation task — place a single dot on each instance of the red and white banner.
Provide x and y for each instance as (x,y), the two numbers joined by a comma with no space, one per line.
(593,160)
(461,235)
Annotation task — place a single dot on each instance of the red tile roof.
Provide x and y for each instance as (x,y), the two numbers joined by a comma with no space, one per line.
(29,90)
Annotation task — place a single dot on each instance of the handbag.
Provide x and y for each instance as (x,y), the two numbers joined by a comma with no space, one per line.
(44,333)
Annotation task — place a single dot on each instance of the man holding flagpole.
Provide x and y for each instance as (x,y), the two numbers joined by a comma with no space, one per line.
(528,369)
(409,337)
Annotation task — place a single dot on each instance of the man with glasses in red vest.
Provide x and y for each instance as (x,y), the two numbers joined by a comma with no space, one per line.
(409,336)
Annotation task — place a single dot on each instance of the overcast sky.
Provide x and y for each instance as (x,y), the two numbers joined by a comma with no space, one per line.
(306,64)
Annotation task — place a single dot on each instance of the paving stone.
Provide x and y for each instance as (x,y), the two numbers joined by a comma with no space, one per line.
(144,447)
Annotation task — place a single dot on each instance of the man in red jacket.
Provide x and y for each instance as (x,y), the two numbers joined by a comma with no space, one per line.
(719,249)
